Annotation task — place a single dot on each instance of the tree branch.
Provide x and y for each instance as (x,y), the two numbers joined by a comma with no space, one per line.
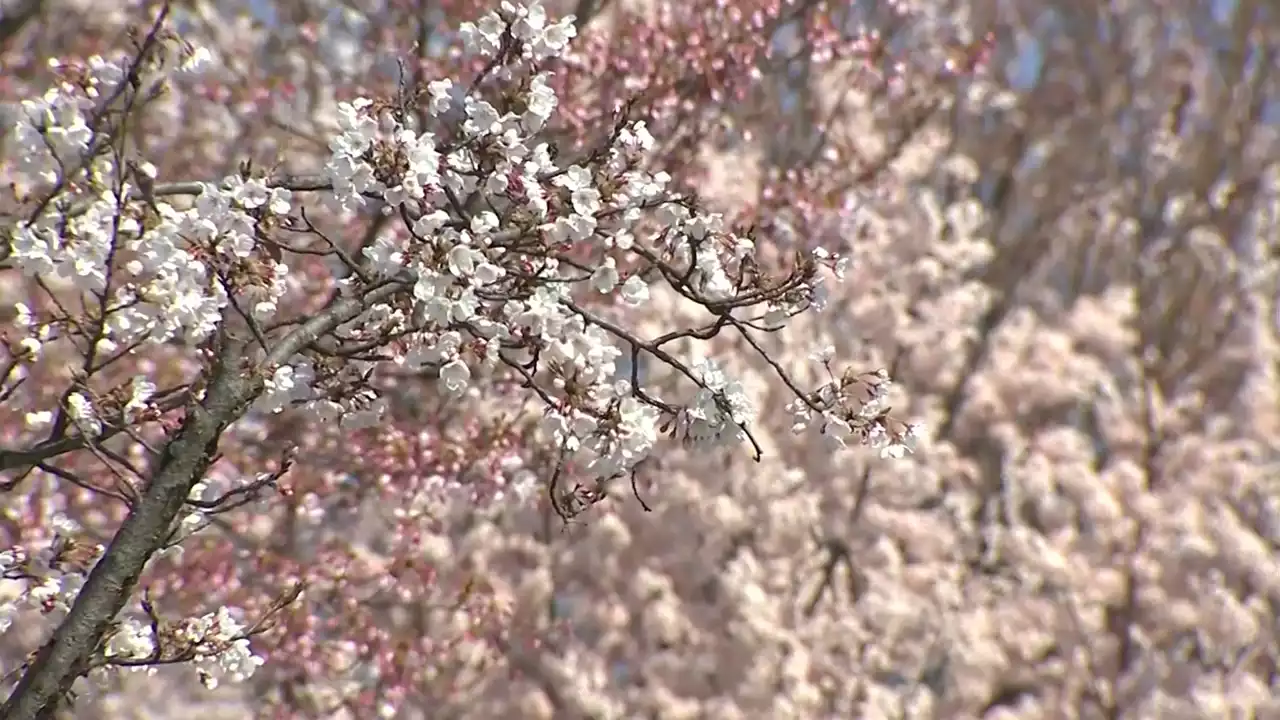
(17,17)
(108,587)
(11,459)
(185,459)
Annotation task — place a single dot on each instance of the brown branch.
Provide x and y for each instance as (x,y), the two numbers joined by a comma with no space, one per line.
(17,17)
(232,389)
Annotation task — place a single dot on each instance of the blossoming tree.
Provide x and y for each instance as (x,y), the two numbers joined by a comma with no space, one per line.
(454,244)
(360,368)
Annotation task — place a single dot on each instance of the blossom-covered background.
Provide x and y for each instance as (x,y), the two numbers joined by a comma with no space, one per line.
(1059,223)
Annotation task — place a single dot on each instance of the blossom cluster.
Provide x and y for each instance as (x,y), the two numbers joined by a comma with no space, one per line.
(53,575)
(854,406)
(184,264)
(220,648)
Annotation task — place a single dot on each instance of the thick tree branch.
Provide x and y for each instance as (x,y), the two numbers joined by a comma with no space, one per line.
(586,11)
(231,390)
(109,585)
(16,17)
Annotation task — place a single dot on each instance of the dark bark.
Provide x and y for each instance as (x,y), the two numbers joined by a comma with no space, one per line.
(231,389)
(16,16)
(111,583)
